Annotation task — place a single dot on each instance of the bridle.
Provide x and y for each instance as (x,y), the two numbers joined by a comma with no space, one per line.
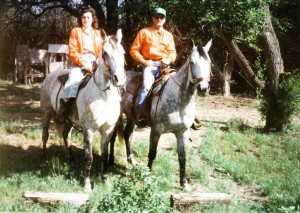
(192,80)
(103,56)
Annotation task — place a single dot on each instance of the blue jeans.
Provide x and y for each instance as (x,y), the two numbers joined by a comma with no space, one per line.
(149,75)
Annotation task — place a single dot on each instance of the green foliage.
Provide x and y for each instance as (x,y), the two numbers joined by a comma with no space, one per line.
(137,192)
(288,100)
(244,20)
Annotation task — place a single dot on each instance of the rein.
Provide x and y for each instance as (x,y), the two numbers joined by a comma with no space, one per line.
(196,80)
(102,90)
(110,72)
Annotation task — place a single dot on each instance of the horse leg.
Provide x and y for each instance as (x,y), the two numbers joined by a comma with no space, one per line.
(66,134)
(45,136)
(182,138)
(88,148)
(127,133)
(154,138)
(105,140)
(111,160)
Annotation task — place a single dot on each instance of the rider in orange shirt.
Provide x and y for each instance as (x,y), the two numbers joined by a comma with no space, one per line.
(85,44)
(153,47)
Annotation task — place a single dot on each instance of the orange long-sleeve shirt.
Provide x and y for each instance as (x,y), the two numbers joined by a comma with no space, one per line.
(148,45)
(76,45)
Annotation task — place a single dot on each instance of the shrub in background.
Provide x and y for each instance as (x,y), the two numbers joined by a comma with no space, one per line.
(288,100)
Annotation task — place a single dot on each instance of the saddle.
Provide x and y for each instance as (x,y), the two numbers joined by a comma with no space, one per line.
(64,78)
(163,77)
(71,104)
(156,90)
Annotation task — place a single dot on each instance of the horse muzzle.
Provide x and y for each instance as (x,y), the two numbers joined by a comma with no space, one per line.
(203,88)
(119,80)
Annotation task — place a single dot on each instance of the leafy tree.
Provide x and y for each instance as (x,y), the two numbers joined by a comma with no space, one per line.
(246,30)
(244,27)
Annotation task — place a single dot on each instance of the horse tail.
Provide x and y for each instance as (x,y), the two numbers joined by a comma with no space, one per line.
(121,145)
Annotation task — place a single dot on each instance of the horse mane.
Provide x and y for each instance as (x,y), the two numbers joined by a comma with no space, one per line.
(184,65)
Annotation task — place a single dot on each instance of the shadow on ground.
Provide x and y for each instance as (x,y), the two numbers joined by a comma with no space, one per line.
(16,160)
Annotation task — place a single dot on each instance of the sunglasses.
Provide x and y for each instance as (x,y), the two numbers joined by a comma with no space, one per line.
(158,16)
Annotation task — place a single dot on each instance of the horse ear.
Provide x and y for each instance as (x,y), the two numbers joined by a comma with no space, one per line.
(207,46)
(192,43)
(118,35)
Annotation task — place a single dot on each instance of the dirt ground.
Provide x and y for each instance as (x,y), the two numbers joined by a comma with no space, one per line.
(218,110)
(214,109)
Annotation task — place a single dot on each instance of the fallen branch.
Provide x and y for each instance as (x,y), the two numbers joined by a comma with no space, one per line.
(186,200)
(50,197)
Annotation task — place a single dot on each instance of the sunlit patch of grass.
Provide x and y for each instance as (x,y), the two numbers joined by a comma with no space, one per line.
(269,160)
(29,130)
(197,169)
(141,148)
(234,207)
(164,168)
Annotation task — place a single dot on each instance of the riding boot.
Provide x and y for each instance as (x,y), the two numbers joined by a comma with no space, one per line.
(141,119)
(62,111)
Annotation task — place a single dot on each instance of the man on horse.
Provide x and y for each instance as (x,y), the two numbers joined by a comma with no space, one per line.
(154,48)
(85,44)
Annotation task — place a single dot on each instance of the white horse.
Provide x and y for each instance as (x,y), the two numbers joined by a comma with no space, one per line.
(173,111)
(97,104)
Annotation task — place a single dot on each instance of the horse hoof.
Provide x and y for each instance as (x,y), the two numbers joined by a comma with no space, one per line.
(88,188)
(132,161)
(43,164)
(186,187)
(104,177)
(72,164)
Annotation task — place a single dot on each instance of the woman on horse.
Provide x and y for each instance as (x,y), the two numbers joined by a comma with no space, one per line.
(153,47)
(85,44)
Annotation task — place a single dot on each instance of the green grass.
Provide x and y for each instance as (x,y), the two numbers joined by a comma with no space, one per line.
(240,156)
(270,161)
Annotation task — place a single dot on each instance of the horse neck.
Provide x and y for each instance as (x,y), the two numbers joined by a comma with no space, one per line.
(102,80)
(182,77)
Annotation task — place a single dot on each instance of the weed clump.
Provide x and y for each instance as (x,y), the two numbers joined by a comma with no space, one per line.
(136,192)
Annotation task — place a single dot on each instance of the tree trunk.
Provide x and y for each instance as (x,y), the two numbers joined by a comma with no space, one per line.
(239,57)
(227,72)
(274,69)
(112,15)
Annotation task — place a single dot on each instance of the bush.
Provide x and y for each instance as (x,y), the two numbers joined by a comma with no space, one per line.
(137,192)
(287,97)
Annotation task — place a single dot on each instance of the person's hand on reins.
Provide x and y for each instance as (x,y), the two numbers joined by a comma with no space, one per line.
(148,63)
(88,67)
(165,62)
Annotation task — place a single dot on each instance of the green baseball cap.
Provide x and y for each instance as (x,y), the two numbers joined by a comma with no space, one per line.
(159,10)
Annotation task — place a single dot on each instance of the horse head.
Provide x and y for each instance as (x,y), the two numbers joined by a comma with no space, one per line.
(201,68)
(113,58)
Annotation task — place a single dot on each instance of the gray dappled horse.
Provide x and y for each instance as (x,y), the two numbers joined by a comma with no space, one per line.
(97,104)
(174,110)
